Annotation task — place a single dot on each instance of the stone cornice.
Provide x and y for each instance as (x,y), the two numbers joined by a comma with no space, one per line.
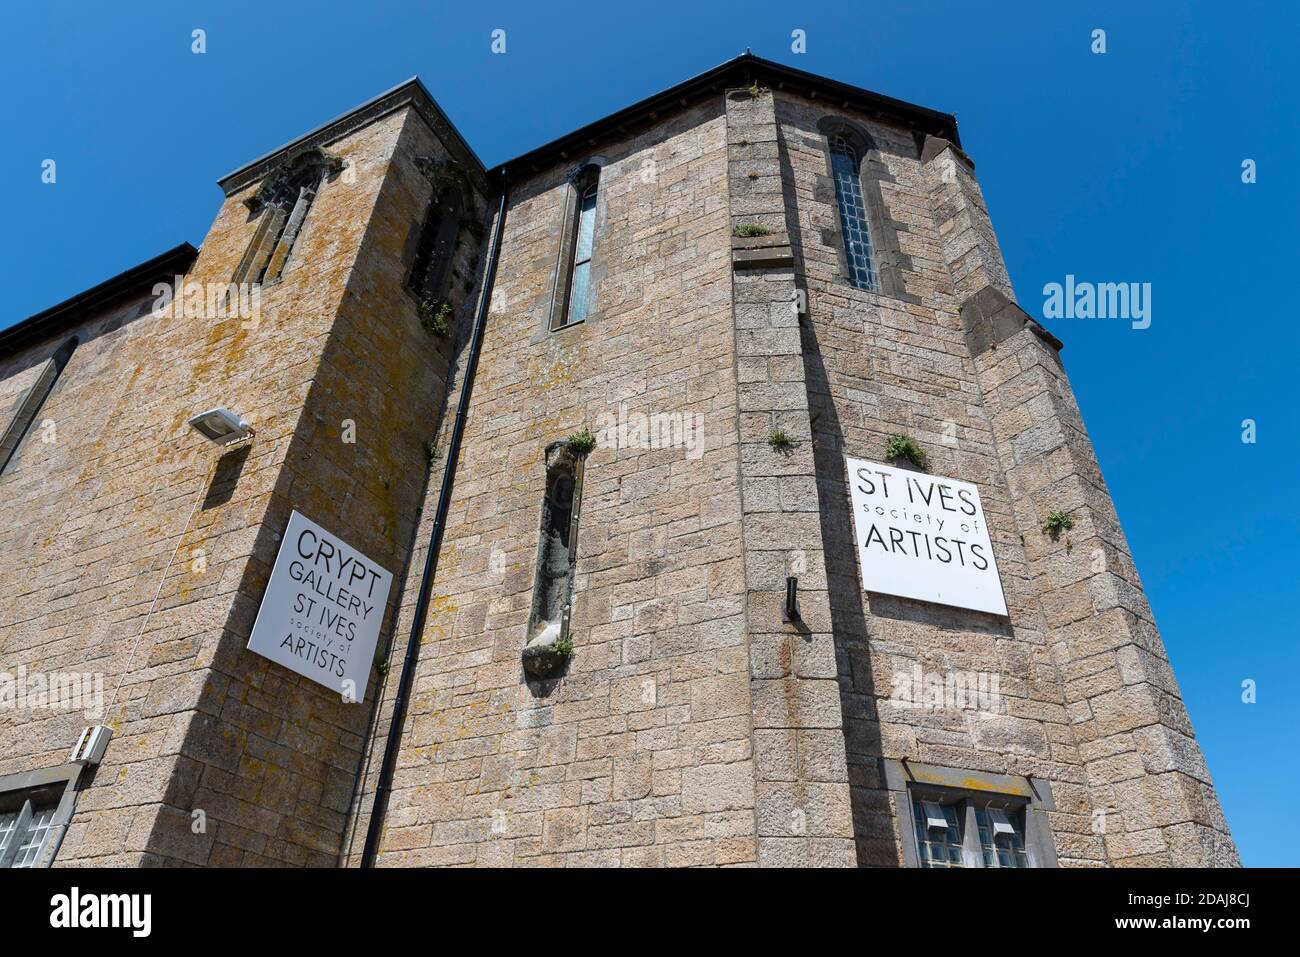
(409,94)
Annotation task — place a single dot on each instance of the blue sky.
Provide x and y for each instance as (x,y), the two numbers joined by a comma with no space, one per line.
(1117,167)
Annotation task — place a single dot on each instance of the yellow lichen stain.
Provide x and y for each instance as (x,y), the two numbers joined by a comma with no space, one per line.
(443,605)
(558,367)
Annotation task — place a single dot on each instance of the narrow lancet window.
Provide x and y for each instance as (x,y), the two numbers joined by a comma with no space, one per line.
(845,165)
(437,245)
(548,625)
(584,238)
(24,414)
(572,299)
(282,204)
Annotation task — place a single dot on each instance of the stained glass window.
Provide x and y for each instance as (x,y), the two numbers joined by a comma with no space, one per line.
(853,215)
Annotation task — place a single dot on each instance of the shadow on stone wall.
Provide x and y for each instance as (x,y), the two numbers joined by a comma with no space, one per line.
(873,827)
(275,761)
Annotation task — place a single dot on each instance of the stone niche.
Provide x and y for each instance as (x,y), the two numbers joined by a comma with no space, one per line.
(547,648)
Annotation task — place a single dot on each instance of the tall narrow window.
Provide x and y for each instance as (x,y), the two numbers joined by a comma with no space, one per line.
(845,165)
(437,244)
(556,559)
(584,238)
(298,196)
(283,203)
(30,406)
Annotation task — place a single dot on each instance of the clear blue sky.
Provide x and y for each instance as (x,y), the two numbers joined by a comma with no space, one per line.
(1117,167)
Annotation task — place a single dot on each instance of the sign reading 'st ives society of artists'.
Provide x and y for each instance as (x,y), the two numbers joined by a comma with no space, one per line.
(924,537)
(323,606)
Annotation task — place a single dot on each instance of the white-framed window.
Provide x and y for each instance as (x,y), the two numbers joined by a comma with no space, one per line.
(959,830)
(939,833)
(26,820)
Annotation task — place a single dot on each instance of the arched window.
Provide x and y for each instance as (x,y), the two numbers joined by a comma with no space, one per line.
(572,300)
(580,284)
(858,249)
(30,406)
(283,203)
(556,556)
(437,244)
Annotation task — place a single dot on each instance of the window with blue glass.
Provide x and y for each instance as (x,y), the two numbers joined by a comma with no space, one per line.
(584,240)
(969,832)
(1002,837)
(846,167)
(938,834)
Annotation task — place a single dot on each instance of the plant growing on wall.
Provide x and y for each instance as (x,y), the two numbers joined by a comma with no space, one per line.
(1057,522)
(563,646)
(436,318)
(902,447)
(750,230)
(581,443)
(780,441)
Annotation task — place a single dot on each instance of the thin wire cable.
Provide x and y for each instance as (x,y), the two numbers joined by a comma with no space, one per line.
(157,594)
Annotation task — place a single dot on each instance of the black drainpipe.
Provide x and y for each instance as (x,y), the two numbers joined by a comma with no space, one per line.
(380,805)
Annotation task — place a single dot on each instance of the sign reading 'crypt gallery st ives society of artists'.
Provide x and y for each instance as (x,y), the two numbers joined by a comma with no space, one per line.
(323,606)
(924,537)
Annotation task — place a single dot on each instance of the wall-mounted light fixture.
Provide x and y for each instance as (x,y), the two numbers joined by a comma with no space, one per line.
(221,426)
(91,745)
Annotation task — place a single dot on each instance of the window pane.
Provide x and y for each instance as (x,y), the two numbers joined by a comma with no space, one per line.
(8,821)
(938,847)
(38,829)
(31,839)
(578,295)
(853,215)
(579,283)
(1002,849)
(437,245)
(586,225)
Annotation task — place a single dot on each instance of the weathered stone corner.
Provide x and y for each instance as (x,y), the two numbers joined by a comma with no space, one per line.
(934,145)
(990,318)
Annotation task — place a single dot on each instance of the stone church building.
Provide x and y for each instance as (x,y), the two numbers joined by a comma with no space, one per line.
(593,410)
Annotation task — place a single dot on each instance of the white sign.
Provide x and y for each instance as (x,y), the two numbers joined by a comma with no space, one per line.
(323,606)
(922,536)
